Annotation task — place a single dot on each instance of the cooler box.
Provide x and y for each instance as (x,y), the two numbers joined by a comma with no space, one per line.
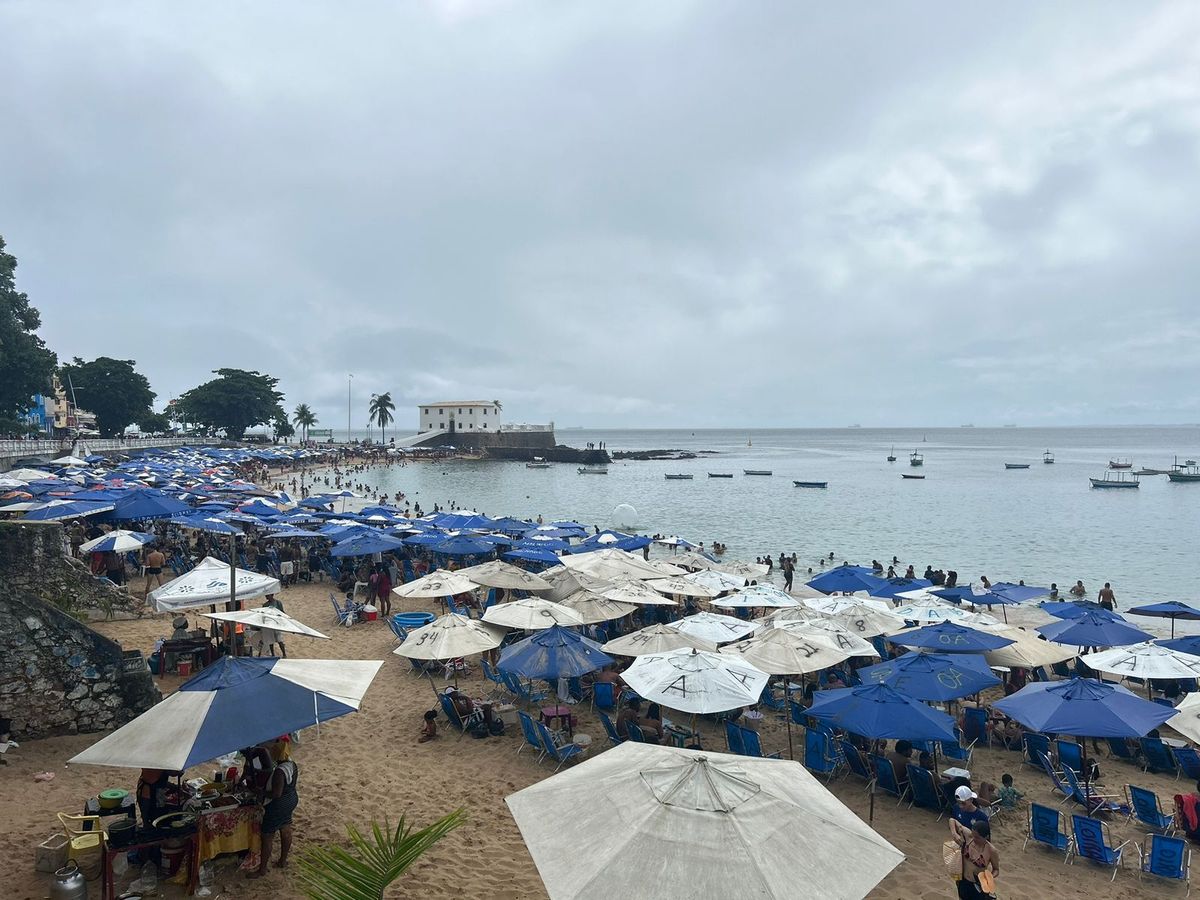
(370,615)
(185,668)
(507,713)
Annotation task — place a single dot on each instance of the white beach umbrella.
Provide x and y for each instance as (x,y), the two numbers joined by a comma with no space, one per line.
(681,587)
(629,590)
(709,821)
(267,617)
(737,567)
(1145,660)
(929,613)
(666,569)
(757,595)
(789,614)
(655,639)
(1027,651)
(918,596)
(714,627)
(208,583)
(609,564)
(833,605)
(782,651)
(499,574)
(69,461)
(531,614)
(436,585)
(118,541)
(27,475)
(564,582)
(867,621)
(718,581)
(592,608)
(833,633)
(692,560)
(449,637)
(804,592)
(1187,717)
(695,681)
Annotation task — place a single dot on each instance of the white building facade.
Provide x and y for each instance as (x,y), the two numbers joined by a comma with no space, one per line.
(459,415)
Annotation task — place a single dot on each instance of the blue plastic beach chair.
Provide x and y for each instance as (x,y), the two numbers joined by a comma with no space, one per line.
(530,732)
(855,762)
(1061,788)
(956,750)
(1087,797)
(885,779)
(1070,755)
(733,739)
(605,696)
(559,753)
(1034,744)
(752,745)
(1145,806)
(1118,748)
(611,729)
(1156,756)
(924,791)
(1166,857)
(636,735)
(345,615)
(820,755)
(975,720)
(1048,826)
(1188,761)
(1093,842)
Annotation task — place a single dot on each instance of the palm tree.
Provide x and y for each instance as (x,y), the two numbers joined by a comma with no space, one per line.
(303,416)
(373,861)
(380,411)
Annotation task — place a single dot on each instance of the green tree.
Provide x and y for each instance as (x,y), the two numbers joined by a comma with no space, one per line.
(304,417)
(380,411)
(282,427)
(111,388)
(25,364)
(373,861)
(154,423)
(234,401)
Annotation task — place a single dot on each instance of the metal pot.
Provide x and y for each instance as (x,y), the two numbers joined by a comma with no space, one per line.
(122,833)
(69,884)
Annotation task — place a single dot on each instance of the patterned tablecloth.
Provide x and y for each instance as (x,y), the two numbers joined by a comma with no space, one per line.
(231,830)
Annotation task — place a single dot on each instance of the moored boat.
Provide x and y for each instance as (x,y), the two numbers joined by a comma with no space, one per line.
(593,470)
(1185,474)
(756,472)
(677,477)
(1119,463)
(1016,465)
(913,477)
(537,463)
(916,459)
(720,474)
(811,484)
(892,454)
(1115,479)
(1048,458)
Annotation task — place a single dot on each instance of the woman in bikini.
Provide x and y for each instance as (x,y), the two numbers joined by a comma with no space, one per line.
(980,860)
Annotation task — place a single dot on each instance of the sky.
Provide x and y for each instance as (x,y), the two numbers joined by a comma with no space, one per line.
(667,214)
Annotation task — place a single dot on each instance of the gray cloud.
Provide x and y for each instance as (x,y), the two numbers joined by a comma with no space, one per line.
(701,214)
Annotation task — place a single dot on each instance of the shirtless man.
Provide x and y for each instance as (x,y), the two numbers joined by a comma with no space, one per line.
(1078,590)
(1107,598)
(155,560)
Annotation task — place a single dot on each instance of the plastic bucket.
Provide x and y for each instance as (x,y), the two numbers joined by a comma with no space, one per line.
(185,667)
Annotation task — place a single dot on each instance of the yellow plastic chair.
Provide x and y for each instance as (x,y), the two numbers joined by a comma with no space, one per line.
(86,834)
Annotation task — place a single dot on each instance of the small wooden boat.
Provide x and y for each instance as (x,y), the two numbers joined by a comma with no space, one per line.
(913,477)
(537,463)
(677,477)
(1016,465)
(593,470)
(720,474)
(892,454)
(1048,458)
(1113,479)
(756,472)
(1120,463)
(811,484)
(916,459)
(1185,474)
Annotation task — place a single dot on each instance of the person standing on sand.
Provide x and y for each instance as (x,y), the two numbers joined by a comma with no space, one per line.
(280,802)
(1107,598)
(155,560)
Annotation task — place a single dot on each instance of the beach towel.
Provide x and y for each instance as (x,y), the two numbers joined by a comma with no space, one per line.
(1187,810)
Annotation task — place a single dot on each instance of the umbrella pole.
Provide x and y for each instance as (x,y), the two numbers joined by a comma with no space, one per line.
(787,710)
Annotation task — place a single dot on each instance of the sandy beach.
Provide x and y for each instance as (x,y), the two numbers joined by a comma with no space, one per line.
(370,764)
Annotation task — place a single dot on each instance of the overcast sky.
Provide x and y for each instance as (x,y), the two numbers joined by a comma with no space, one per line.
(667,213)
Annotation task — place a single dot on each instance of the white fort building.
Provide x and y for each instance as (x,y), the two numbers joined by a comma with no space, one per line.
(460,415)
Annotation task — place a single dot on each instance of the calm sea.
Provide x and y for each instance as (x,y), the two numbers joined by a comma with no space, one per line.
(1041,524)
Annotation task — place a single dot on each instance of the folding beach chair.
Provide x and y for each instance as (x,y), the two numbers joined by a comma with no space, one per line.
(956,750)
(1145,806)
(345,615)
(1048,827)
(752,745)
(532,737)
(1070,755)
(1061,788)
(1156,756)
(924,791)
(491,675)
(1034,745)
(610,729)
(1087,797)
(885,779)
(1093,842)
(1166,857)
(397,629)
(820,755)
(855,762)
(1188,761)
(733,739)
(559,753)
(636,735)
(772,702)
(1119,749)
(975,720)
(605,696)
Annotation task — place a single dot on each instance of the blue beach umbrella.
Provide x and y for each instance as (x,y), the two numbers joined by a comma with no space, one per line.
(554,652)
(950,638)
(425,539)
(1073,609)
(146,504)
(893,586)
(463,546)
(366,545)
(57,510)
(206,523)
(879,711)
(846,580)
(1172,610)
(1189,644)
(933,676)
(118,541)
(543,544)
(1092,630)
(1019,593)
(967,594)
(527,554)
(234,703)
(292,534)
(1083,707)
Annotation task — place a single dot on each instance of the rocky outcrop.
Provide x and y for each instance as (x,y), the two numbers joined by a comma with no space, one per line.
(57,675)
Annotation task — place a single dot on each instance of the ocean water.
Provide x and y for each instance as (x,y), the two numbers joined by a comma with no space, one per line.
(1043,524)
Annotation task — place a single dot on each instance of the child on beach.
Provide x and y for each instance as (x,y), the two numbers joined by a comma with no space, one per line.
(429,729)
(1009,795)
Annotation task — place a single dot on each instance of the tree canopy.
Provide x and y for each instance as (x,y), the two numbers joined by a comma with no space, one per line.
(111,388)
(26,365)
(154,423)
(234,401)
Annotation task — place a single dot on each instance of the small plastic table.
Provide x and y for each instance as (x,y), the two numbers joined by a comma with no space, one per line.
(560,713)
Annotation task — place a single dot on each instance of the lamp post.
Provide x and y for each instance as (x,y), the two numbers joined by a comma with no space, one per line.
(349,381)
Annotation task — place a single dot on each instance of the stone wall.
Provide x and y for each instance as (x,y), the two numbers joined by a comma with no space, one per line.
(34,560)
(57,675)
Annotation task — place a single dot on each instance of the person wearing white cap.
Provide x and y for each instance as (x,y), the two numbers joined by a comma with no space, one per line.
(967,811)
